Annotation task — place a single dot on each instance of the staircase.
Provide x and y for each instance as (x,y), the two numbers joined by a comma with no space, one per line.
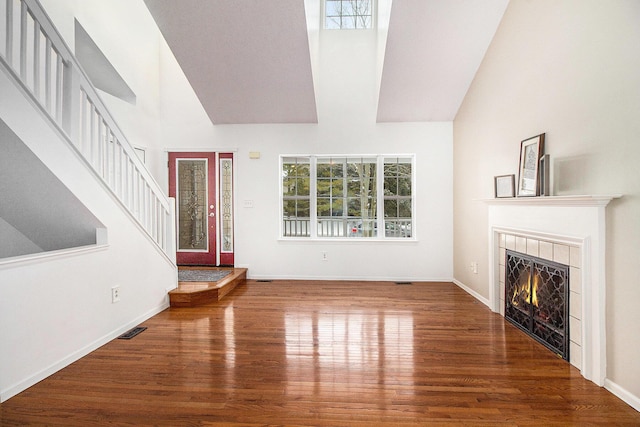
(59,305)
(39,62)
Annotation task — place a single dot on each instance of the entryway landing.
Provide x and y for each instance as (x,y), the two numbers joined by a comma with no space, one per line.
(196,288)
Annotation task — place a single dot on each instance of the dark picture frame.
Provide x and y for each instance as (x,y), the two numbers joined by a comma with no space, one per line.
(531,149)
(505,186)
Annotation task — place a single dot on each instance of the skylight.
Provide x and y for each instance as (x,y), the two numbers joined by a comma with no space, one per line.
(348,14)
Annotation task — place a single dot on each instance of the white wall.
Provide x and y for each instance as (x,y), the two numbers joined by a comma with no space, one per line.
(570,69)
(257,243)
(346,94)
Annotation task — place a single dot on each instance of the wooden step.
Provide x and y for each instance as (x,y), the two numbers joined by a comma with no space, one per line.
(191,294)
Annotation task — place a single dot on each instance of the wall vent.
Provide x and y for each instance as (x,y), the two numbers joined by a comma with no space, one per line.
(132,333)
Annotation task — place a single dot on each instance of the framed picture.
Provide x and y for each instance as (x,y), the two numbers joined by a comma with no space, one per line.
(545,183)
(528,173)
(505,186)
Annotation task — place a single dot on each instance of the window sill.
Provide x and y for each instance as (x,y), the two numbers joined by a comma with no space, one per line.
(351,240)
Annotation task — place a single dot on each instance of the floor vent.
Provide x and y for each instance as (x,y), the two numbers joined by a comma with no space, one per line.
(404,283)
(132,333)
(263,281)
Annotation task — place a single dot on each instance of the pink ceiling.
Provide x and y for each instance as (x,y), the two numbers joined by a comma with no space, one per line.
(434,48)
(249,60)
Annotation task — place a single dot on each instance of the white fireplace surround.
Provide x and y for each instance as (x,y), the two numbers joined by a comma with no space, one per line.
(574,224)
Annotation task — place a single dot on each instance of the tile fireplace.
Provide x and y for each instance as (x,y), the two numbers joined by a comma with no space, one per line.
(568,231)
(537,299)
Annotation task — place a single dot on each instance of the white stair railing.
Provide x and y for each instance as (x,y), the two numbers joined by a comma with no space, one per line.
(35,55)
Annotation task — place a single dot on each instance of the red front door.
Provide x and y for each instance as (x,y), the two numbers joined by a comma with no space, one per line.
(192,181)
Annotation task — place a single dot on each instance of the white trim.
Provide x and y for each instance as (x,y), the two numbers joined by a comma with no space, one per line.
(14,389)
(355,240)
(313,197)
(372,27)
(586,200)
(624,394)
(50,255)
(219,206)
(199,150)
(555,238)
(206,207)
(417,280)
(471,292)
(217,219)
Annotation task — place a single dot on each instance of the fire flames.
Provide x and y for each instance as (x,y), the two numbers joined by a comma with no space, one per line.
(526,291)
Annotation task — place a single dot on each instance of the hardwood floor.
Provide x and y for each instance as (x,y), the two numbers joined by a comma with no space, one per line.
(322,353)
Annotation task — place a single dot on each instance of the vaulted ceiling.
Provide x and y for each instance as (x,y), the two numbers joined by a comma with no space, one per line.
(249,60)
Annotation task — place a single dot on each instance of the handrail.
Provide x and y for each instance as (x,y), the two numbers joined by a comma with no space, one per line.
(40,61)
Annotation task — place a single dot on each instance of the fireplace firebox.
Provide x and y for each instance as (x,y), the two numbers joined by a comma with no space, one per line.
(537,299)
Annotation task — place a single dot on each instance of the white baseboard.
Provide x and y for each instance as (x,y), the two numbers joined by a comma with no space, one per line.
(11,391)
(345,278)
(471,292)
(624,395)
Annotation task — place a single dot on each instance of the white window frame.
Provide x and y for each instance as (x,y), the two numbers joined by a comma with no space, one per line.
(372,18)
(313,214)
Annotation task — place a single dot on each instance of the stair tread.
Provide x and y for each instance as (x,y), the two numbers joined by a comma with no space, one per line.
(189,294)
(191,287)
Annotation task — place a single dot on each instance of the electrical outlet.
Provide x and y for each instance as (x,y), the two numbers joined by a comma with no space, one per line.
(474,267)
(115,294)
(324,256)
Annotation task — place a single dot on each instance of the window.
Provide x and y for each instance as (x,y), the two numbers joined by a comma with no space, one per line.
(346,197)
(296,196)
(340,196)
(348,14)
(397,197)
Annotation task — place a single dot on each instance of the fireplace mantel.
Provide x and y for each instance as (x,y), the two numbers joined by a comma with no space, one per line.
(588,200)
(576,221)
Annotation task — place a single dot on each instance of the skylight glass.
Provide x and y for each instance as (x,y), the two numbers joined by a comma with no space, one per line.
(348,14)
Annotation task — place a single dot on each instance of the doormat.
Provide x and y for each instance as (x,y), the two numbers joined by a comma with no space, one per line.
(201,275)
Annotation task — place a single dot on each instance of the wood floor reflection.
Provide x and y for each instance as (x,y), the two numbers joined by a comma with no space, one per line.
(322,353)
